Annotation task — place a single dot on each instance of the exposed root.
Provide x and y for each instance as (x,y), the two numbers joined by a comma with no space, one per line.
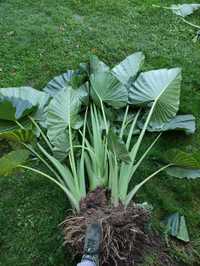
(125,240)
(123,230)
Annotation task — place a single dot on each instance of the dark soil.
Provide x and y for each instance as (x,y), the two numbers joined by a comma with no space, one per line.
(126,240)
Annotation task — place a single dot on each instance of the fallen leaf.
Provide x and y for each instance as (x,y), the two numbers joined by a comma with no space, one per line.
(185,9)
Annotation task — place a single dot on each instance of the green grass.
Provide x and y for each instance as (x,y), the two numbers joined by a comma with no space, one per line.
(40,39)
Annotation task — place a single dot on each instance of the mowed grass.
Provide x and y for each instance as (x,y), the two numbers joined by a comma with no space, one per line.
(41,39)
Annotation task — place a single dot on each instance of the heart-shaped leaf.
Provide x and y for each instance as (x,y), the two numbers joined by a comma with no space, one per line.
(161,88)
(97,66)
(182,159)
(58,83)
(106,87)
(12,160)
(184,123)
(63,111)
(185,9)
(176,227)
(16,103)
(127,70)
(183,172)
(18,135)
(71,78)
(185,165)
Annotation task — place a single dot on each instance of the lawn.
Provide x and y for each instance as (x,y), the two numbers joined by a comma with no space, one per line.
(41,39)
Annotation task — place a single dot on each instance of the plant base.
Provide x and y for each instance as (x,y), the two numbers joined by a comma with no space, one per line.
(125,238)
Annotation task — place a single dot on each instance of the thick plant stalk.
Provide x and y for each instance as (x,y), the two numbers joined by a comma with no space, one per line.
(60,168)
(130,170)
(144,155)
(19,124)
(71,156)
(65,174)
(125,169)
(72,162)
(137,145)
(73,201)
(82,180)
(164,7)
(96,161)
(28,147)
(191,24)
(124,122)
(104,117)
(128,142)
(138,186)
(114,179)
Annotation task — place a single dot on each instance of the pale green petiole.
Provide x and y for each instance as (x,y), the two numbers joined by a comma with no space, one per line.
(42,133)
(73,201)
(138,186)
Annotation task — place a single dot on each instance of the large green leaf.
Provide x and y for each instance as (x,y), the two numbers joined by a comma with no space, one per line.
(161,88)
(58,83)
(63,111)
(184,9)
(106,87)
(83,90)
(127,70)
(18,102)
(71,78)
(18,135)
(176,227)
(182,159)
(97,66)
(184,123)
(41,114)
(186,165)
(12,160)
(183,172)
(61,146)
